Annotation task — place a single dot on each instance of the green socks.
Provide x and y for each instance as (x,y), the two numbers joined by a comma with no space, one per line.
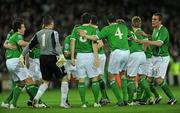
(116,90)
(166,90)
(95,90)
(131,89)
(16,92)
(145,85)
(103,89)
(139,92)
(31,90)
(124,88)
(153,89)
(82,91)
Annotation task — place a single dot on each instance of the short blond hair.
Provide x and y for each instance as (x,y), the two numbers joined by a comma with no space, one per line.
(136,21)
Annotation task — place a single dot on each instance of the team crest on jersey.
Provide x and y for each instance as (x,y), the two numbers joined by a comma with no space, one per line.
(82,39)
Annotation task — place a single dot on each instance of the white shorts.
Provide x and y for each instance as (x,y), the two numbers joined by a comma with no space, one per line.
(34,69)
(160,65)
(149,67)
(102,60)
(136,64)
(71,70)
(17,70)
(85,65)
(118,61)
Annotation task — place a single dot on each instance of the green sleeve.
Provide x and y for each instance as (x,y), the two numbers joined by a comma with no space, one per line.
(74,34)
(103,33)
(163,35)
(19,38)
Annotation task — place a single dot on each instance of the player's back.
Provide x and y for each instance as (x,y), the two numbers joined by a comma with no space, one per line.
(117,36)
(47,41)
(83,45)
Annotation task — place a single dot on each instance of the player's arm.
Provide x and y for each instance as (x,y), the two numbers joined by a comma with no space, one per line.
(22,43)
(100,44)
(72,49)
(58,46)
(6,45)
(26,50)
(83,34)
(148,42)
(95,52)
(30,46)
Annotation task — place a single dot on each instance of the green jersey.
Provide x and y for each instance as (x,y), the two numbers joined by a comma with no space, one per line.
(83,45)
(136,47)
(67,45)
(9,34)
(35,53)
(117,36)
(7,38)
(148,52)
(14,40)
(160,34)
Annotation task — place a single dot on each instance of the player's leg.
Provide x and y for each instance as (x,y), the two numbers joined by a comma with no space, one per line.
(160,70)
(104,98)
(150,79)
(95,90)
(124,85)
(64,92)
(116,66)
(81,74)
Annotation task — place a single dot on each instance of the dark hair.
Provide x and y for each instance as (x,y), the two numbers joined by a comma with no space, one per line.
(111,18)
(94,19)
(159,15)
(47,20)
(85,18)
(17,24)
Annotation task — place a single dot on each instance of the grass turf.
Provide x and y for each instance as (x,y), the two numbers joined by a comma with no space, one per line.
(52,98)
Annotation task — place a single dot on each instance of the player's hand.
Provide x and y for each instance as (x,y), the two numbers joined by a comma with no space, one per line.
(60,61)
(131,38)
(96,62)
(144,34)
(82,33)
(13,47)
(22,60)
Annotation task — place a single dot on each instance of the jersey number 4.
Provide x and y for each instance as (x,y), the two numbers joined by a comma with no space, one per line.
(118,33)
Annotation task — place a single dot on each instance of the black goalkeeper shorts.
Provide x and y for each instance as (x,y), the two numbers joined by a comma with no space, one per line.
(48,67)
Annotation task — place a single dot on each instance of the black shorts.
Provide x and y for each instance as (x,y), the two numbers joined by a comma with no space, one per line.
(48,67)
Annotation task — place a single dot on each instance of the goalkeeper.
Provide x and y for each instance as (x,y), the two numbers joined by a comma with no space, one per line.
(50,48)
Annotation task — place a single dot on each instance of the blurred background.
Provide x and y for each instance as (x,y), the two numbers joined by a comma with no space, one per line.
(66,14)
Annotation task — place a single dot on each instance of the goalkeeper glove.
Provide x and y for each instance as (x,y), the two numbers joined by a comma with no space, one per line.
(22,60)
(60,61)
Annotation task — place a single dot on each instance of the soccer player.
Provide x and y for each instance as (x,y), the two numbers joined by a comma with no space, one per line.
(160,59)
(136,63)
(102,59)
(48,41)
(71,71)
(18,71)
(117,38)
(13,84)
(87,54)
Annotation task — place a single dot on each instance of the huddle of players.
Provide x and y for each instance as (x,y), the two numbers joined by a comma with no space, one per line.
(132,54)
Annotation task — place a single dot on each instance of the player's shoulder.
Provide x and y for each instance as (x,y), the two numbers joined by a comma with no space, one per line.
(163,29)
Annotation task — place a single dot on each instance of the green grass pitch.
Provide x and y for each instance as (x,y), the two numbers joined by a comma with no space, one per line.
(52,98)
